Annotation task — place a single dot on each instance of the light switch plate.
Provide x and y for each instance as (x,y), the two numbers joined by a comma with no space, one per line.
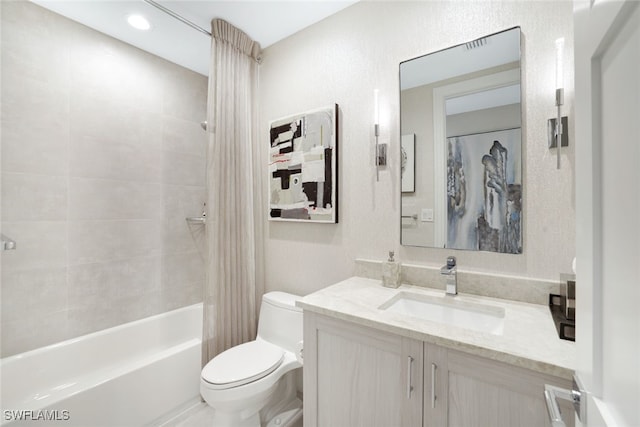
(426,215)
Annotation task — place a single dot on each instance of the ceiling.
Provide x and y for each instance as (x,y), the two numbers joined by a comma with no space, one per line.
(265,21)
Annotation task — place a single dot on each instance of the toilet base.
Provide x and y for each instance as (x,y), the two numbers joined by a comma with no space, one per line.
(258,410)
(283,403)
(286,417)
(222,420)
(289,416)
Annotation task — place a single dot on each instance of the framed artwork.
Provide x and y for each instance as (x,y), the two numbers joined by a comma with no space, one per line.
(303,167)
(484,191)
(408,162)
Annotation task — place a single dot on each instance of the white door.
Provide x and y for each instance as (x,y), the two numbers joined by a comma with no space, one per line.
(607,121)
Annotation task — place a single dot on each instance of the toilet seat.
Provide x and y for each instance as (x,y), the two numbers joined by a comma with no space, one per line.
(242,364)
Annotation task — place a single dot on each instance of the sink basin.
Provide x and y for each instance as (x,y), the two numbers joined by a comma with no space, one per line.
(449,311)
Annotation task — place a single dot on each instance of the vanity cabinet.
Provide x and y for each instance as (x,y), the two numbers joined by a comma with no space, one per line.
(360,376)
(357,376)
(465,390)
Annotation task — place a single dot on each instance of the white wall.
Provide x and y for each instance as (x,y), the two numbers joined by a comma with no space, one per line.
(416,105)
(343,59)
(486,120)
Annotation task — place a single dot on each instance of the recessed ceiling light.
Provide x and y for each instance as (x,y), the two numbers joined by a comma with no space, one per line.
(138,22)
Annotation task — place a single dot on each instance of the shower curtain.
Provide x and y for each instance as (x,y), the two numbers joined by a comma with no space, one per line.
(234,268)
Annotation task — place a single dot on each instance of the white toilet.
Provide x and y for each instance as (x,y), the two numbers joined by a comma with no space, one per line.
(254,382)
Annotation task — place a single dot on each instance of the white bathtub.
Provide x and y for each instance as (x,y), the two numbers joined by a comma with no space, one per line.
(130,375)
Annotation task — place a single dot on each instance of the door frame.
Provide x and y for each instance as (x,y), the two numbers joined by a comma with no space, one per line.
(596,24)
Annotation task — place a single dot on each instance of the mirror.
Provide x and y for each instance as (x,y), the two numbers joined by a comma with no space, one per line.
(461,146)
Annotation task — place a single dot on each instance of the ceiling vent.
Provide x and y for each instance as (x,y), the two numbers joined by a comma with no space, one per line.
(476,43)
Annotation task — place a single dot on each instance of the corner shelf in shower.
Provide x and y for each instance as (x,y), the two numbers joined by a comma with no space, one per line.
(196,220)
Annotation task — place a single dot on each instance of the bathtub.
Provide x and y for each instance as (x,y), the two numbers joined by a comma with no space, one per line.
(131,375)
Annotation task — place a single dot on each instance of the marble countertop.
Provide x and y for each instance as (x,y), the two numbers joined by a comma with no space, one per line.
(529,338)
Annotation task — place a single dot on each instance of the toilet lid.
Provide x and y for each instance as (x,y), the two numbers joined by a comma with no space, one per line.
(243,364)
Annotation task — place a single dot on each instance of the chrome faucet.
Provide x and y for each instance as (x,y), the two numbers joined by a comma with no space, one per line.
(450,270)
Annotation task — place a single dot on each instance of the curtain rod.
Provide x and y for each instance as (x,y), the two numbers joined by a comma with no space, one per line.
(176,16)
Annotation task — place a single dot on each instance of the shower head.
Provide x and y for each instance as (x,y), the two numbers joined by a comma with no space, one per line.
(204,125)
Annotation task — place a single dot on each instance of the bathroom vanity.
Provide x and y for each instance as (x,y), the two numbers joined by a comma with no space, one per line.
(374,357)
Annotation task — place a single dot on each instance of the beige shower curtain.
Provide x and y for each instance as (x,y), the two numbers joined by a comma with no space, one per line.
(234,267)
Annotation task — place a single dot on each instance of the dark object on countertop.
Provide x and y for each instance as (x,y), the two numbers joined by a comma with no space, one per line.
(568,295)
(566,327)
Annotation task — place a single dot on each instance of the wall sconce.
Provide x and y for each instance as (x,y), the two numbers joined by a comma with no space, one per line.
(381,149)
(558,128)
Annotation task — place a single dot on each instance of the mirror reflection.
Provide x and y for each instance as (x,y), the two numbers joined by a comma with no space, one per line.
(461,146)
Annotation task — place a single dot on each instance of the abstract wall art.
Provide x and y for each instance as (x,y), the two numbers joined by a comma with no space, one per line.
(484,191)
(303,167)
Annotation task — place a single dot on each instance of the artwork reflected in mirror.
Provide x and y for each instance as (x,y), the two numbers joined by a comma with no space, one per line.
(408,162)
(460,120)
(484,193)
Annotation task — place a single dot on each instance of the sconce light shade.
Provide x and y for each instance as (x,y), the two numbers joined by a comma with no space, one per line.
(380,149)
(560,63)
(559,138)
(376,108)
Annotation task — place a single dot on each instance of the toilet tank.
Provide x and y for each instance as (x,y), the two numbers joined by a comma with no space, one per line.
(280,321)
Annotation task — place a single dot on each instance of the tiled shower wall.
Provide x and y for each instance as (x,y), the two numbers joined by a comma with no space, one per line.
(103,157)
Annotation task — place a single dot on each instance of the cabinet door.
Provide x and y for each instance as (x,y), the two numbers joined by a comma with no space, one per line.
(356,376)
(436,386)
(483,392)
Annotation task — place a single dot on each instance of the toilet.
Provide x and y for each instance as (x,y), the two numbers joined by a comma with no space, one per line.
(254,384)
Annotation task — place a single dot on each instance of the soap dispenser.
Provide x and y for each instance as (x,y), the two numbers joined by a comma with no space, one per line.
(391,272)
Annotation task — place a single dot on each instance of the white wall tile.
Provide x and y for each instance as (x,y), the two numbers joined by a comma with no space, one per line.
(35,117)
(114,279)
(175,297)
(34,103)
(184,136)
(30,51)
(185,95)
(179,236)
(183,169)
(92,157)
(129,77)
(182,269)
(39,245)
(44,25)
(27,197)
(100,199)
(94,282)
(139,306)
(30,147)
(42,291)
(112,123)
(94,315)
(181,201)
(36,330)
(100,241)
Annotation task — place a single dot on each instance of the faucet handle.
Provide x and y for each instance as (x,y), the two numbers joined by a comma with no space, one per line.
(451,262)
